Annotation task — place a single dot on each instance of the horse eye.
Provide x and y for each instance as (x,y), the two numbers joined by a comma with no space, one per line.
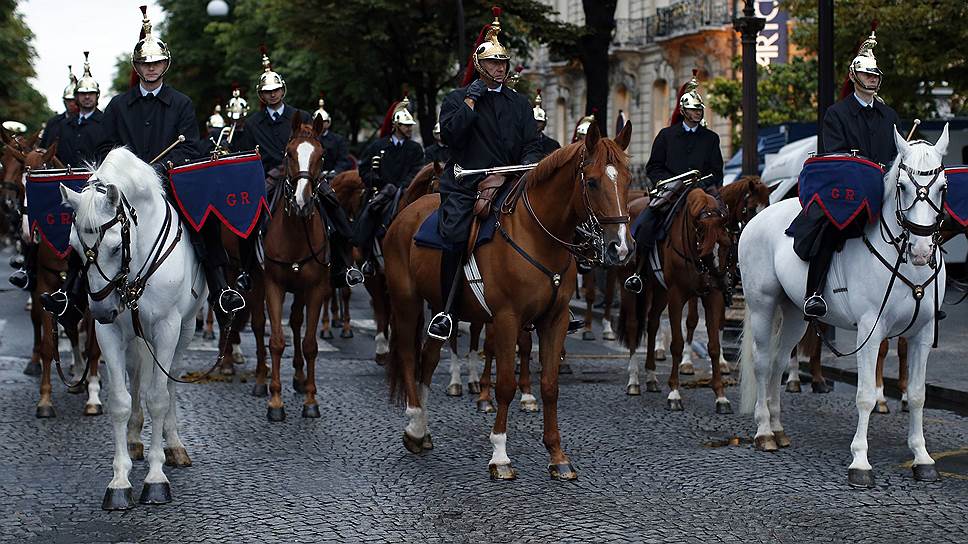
(593,183)
(116,249)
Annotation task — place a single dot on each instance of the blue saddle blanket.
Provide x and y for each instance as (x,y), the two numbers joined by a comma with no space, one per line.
(232,187)
(46,213)
(956,199)
(843,186)
(428,235)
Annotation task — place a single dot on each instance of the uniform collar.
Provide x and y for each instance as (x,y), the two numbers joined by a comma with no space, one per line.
(686,128)
(396,141)
(281,110)
(497,90)
(861,102)
(161,93)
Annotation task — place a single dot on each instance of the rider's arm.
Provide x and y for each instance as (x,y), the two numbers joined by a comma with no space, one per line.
(456,118)
(531,150)
(715,161)
(656,167)
(109,128)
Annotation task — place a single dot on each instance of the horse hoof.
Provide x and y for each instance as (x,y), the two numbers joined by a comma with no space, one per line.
(502,472)
(276,414)
(675,405)
(118,499)
(822,387)
(380,358)
(413,445)
(608,335)
(562,471)
(326,334)
(227,371)
(859,477)
(904,406)
(781,439)
(485,406)
(529,406)
(652,387)
(724,369)
(260,390)
(765,443)
(93,409)
(155,493)
(587,335)
(78,388)
(454,390)
(310,410)
(177,457)
(793,387)
(925,473)
(346,333)
(136,451)
(32,368)
(882,408)
(687,369)
(660,354)
(45,412)
(238,358)
(428,443)
(633,390)
(208,335)
(723,407)
(474,388)
(299,386)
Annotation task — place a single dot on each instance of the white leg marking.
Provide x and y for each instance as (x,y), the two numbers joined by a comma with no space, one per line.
(674,395)
(500,455)
(382,346)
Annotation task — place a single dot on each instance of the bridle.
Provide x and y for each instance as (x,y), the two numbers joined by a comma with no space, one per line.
(691,250)
(289,189)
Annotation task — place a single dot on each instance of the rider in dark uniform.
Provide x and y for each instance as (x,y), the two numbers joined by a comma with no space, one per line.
(437,151)
(548,144)
(686,144)
(147,119)
(52,127)
(387,167)
(336,158)
(485,124)
(861,122)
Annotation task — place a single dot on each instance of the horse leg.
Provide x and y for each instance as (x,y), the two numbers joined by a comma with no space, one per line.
(226,366)
(235,338)
(859,473)
(454,388)
(793,372)
(686,367)
(504,342)
(528,402)
(157,489)
(209,332)
(902,371)
(136,422)
(118,495)
(296,318)
(551,340)
(611,278)
(484,403)
(326,332)
(310,347)
(344,311)
(48,346)
(789,333)
(93,355)
(917,350)
(660,345)
(817,382)
(588,291)
(429,359)
(407,321)
(175,453)
(258,316)
(33,367)
(379,300)
(713,307)
(675,326)
(657,303)
(474,359)
(277,344)
(881,407)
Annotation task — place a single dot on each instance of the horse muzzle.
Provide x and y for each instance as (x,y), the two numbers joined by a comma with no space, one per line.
(104,317)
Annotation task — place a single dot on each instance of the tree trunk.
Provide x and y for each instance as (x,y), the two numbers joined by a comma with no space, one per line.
(599,23)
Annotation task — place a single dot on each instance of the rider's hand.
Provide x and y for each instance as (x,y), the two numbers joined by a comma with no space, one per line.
(476,90)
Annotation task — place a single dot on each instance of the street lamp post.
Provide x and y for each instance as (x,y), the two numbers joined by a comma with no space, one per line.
(749,25)
(825,64)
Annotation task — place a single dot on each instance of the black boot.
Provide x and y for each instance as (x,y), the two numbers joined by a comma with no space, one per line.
(26,277)
(227,300)
(814,306)
(244,282)
(68,303)
(442,325)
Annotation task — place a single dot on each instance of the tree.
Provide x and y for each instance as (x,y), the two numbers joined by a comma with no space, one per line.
(19,100)
(595,42)
(919,45)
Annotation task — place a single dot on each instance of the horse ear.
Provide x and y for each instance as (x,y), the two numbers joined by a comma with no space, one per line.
(32,141)
(625,136)
(51,151)
(296,120)
(591,139)
(942,144)
(902,146)
(113,195)
(17,154)
(318,125)
(69,197)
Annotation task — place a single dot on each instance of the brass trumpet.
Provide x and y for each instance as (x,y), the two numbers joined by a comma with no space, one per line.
(460,172)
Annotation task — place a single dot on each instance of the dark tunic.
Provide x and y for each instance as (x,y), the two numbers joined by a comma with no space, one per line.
(271,136)
(676,151)
(398,165)
(337,152)
(436,152)
(78,141)
(148,125)
(548,145)
(499,131)
(52,130)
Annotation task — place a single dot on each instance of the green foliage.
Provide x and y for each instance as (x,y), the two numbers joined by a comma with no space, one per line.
(19,100)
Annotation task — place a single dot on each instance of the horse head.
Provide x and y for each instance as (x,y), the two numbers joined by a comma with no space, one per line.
(916,183)
(755,197)
(42,159)
(605,189)
(304,164)
(707,221)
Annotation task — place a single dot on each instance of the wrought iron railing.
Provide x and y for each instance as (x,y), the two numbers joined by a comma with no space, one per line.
(629,33)
(686,17)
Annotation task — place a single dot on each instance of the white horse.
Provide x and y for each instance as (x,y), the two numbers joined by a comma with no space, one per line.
(774,281)
(124,229)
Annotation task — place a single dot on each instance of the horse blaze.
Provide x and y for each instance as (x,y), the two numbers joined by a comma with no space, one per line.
(242,198)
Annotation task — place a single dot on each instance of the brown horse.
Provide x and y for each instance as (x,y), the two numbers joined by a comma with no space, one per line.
(349,189)
(295,262)
(688,271)
(528,402)
(529,273)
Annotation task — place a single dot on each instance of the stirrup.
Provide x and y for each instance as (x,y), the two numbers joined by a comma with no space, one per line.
(55,303)
(228,291)
(367,268)
(441,320)
(20,279)
(574,324)
(354,276)
(633,284)
(813,300)
(244,281)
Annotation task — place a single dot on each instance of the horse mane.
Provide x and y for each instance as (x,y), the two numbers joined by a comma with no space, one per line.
(346,183)
(613,154)
(123,169)
(696,201)
(420,185)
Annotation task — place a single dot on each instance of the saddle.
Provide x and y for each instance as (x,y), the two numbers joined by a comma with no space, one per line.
(486,193)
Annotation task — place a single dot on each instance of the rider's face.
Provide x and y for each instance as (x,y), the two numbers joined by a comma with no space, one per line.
(693,115)
(272,98)
(151,71)
(498,69)
(87,101)
(404,131)
(868,80)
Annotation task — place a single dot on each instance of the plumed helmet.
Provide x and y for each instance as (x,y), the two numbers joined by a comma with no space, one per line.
(87,83)
(691,99)
(866,63)
(149,48)
(269,80)
(71,85)
(582,129)
(401,113)
(491,48)
(321,112)
(216,120)
(539,113)
(237,108)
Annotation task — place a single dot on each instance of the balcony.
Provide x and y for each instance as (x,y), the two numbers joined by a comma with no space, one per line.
(686,17)
(629,33)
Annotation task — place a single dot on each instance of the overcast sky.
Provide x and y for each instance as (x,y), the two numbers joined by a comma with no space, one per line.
(64,29)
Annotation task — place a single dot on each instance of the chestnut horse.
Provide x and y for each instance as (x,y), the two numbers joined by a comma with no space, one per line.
(295,262)
(529,273)
(688,270)
(349,189)
(255,312)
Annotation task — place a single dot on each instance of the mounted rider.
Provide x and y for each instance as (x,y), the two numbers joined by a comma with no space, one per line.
(148,119)
(861,123)
(485,124)
(437,151)
(271,128)
(548,144)
(336,157)
(581,128)
(51,131)
(685,145)
(387,167)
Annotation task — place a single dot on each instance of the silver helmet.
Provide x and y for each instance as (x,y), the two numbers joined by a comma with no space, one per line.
(865,62)
(87,83)
(149,48)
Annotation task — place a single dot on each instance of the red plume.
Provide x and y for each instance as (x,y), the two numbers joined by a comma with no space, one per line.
(387,125)
(676,114)
(496,10)
(470,73)
(847,88)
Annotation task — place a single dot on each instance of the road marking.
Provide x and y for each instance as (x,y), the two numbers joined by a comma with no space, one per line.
(367,324)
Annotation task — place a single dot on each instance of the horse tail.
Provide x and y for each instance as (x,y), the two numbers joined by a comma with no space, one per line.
(632,318)
(747,364)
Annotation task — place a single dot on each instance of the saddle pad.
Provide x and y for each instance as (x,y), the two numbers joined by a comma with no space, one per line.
(46,213)
(428,235)
(843,186)
(956,199)
(231,187)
